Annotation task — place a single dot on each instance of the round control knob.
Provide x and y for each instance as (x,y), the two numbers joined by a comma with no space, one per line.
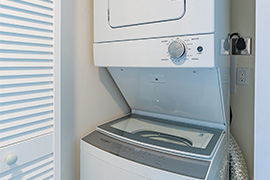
(176,49)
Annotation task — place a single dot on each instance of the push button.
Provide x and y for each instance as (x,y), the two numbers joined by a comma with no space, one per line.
(200,49)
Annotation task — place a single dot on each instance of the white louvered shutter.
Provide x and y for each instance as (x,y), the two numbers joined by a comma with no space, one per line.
(27,93)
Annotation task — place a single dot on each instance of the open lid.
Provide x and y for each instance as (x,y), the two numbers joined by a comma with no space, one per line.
(163,135)
(192,94)
(130,12)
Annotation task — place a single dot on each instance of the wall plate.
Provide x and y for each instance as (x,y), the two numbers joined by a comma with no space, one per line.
(246,51)
(242,76)
(224,51)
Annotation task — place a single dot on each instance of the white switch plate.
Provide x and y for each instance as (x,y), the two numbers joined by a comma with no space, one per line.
(242,76)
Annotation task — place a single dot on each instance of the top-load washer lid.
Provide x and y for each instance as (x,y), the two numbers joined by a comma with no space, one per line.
(164,135)
(130,12)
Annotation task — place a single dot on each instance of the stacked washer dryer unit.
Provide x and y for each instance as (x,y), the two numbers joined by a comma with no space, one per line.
(167,58)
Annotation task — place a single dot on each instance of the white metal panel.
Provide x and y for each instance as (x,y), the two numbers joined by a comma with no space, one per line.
(130,12)
(199,18)
(191,93)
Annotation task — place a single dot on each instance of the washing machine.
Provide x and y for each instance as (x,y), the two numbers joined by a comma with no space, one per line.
(168,61)
(140,147)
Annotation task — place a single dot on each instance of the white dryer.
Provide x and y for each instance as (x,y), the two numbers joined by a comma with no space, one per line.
(167,58)
(139,19)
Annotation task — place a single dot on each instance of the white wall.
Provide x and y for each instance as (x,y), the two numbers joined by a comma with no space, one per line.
(243,21)
(89,96)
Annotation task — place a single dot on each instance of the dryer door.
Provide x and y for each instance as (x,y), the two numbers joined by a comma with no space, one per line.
(130,12)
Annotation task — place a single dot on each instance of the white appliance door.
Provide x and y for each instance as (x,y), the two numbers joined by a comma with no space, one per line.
(130,12)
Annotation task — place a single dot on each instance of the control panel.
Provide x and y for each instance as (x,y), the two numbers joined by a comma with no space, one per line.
(180,51)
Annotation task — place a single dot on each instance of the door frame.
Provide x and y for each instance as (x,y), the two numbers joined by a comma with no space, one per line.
(57,88)
(262,92)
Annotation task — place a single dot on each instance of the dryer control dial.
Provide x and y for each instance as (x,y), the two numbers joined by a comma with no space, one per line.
(177,49)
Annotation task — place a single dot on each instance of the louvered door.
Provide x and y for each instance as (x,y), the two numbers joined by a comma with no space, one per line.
(27,87)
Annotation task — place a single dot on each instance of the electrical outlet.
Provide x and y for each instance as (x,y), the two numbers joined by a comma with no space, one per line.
(242,76)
